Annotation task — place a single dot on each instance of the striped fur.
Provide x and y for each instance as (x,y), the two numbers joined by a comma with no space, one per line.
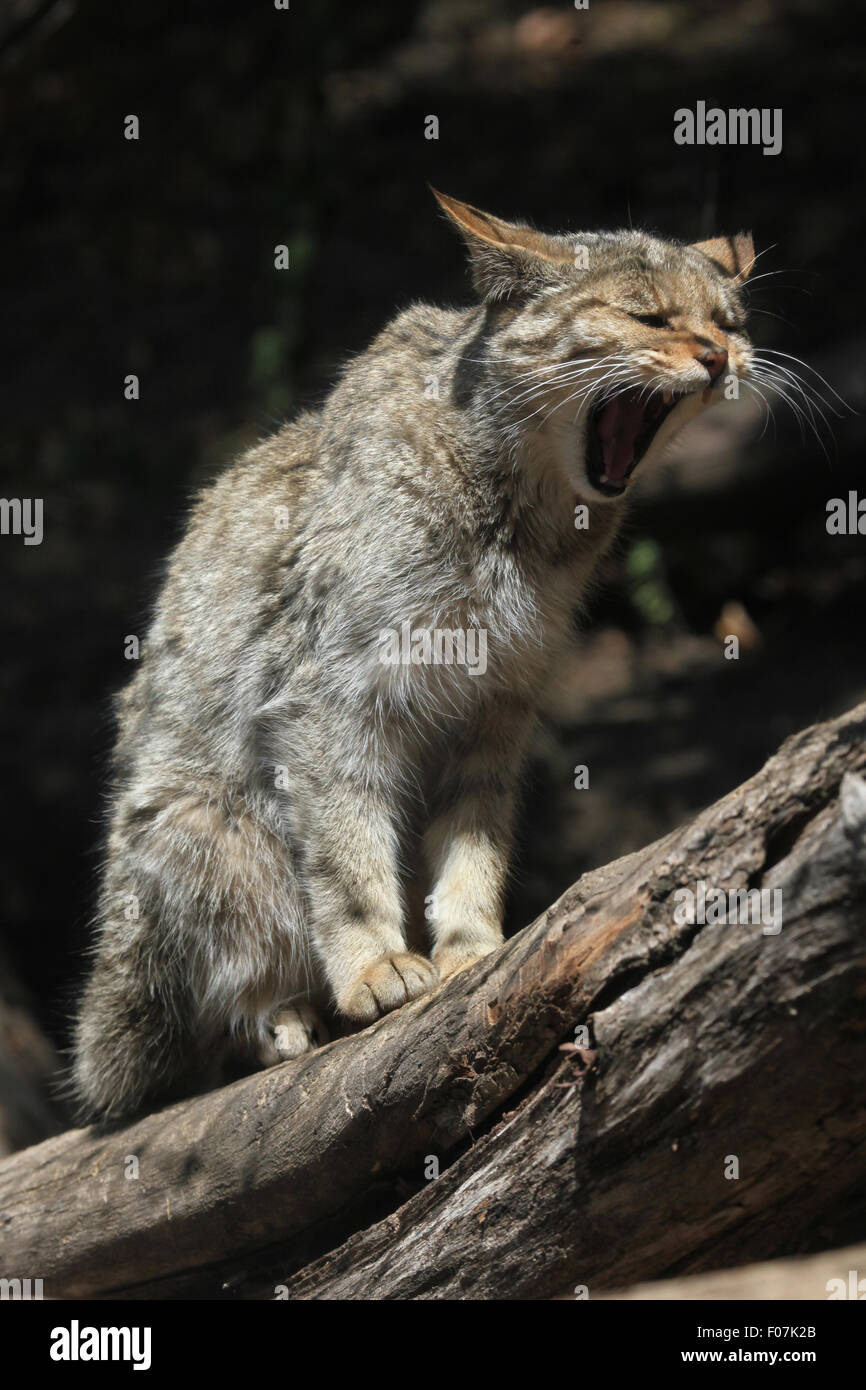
(294,821)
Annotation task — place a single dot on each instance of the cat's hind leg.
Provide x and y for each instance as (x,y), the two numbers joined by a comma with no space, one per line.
(201,933)
(294,1027)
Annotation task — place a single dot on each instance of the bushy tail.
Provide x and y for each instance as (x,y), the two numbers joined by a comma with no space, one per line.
(136,1043)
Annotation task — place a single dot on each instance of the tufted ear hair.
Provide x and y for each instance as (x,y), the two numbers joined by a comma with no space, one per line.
(734,255)
(506,257)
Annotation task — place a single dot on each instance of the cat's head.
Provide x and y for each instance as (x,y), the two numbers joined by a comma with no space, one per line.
(604,344)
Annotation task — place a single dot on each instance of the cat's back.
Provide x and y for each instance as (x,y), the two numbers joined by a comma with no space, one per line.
(203,658)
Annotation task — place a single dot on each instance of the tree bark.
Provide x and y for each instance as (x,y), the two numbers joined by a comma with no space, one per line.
(712,1113)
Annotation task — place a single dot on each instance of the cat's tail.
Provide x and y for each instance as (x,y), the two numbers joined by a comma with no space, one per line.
(136,1041)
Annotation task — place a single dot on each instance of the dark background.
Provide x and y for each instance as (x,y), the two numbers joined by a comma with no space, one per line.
(261,127)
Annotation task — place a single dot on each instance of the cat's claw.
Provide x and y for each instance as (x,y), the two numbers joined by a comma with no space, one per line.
(386,984)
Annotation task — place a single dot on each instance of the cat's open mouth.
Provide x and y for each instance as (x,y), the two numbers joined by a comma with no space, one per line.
(619,433)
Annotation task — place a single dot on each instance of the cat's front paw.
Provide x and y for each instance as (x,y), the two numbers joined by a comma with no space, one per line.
(293,1028)
(453,958)
(385,985)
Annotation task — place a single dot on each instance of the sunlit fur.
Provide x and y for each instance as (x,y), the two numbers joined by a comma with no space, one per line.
(283,801)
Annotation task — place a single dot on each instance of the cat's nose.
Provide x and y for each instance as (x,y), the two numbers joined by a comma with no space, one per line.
(715,359)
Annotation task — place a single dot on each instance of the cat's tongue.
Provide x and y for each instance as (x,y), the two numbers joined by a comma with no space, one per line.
(619,423)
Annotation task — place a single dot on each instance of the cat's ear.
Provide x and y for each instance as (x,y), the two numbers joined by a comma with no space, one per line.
(735,255)
(506,257)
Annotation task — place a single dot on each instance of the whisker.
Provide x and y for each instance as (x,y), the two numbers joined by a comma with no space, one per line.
(768,410)
(809,394)
(775,352)
(583,391)
(564,371)
(564,380)
(804,412)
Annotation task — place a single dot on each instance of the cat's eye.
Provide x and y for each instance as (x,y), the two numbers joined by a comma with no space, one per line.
(651,320)
(727,325)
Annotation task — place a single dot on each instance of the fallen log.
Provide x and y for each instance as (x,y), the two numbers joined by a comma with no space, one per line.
(709,1048)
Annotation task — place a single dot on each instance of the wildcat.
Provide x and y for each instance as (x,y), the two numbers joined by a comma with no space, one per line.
(290,786)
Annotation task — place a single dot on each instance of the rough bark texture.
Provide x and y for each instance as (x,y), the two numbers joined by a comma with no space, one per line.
(597,1167)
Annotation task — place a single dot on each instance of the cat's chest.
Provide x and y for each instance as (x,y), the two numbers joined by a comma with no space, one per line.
(474,636)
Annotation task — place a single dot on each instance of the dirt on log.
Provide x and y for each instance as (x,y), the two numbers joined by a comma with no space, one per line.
(710,1113)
